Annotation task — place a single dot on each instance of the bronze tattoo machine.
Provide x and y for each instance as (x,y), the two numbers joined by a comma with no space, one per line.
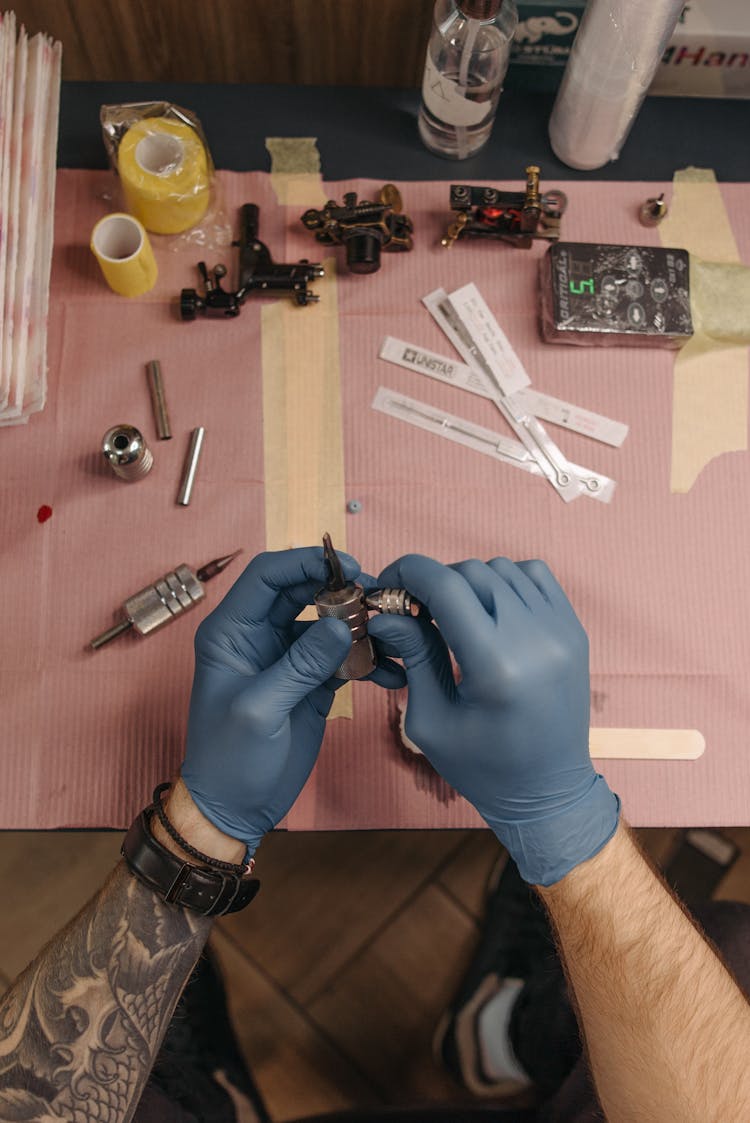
(364,228)
(516,217)
(347,601)
(258,273)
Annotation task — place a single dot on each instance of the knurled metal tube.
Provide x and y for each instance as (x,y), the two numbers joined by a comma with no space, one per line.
(169,596)
(348,604)
(395,602)
(158,604)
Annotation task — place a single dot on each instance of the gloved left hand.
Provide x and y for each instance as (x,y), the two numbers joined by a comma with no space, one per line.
(261,693)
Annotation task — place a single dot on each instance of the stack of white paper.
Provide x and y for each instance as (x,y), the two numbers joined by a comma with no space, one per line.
(29,109)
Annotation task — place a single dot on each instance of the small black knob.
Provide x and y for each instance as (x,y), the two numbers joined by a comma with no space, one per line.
(363,253)
(188,304)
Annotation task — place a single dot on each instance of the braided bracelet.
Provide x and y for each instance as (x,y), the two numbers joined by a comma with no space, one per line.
(216,863)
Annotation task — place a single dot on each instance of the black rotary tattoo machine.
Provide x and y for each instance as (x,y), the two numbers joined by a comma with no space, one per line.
(258,273)
(347,601)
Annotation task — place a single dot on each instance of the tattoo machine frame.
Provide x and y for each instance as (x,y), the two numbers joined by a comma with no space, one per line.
(364,228)
(258,273)
(516,217)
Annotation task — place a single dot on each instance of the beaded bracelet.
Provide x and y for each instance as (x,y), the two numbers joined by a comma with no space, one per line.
(240,869)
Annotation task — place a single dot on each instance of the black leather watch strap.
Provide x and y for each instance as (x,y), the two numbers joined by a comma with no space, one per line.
(209,892)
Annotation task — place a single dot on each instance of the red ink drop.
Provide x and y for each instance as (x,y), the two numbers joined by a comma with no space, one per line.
(44,513)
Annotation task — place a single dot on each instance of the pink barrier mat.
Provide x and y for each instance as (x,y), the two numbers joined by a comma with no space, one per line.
(659,580)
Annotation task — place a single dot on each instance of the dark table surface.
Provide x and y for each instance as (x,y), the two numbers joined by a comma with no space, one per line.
(372,132)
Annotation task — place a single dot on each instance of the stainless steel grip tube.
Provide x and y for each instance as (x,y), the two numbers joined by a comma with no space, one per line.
(348,604)
(158,399)
(191,466)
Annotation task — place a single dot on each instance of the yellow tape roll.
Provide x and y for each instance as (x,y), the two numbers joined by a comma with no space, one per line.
(164,168)
(121,246)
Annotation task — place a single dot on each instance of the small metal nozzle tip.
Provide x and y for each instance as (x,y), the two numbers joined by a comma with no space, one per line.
(336,579)
(212,568)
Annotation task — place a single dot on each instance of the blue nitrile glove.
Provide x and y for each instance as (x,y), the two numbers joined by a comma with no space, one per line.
(513,735)
(261,693)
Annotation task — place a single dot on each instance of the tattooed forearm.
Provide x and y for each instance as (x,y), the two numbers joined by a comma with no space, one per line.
(81,1027)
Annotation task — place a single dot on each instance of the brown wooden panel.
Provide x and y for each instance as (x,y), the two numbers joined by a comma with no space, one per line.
(45,878)
(466,875)
(298,1070)
(658,842)
(382,1010)
(736,884)
(325,894)
(326,42)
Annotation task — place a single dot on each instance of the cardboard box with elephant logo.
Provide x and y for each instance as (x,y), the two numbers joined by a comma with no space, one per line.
(542,43)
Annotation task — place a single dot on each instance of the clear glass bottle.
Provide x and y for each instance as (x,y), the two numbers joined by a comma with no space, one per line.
(467,57)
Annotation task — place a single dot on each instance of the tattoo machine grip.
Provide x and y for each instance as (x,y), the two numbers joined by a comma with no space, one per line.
(348,604)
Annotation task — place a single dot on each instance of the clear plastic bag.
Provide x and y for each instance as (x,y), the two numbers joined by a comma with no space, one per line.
(162,159)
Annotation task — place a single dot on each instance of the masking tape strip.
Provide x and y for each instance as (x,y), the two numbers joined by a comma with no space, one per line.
(295,170)
(646,744)
(302,430)
(710,400)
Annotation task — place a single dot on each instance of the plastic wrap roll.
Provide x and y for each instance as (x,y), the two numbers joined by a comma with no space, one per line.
(165,172)
(613,60)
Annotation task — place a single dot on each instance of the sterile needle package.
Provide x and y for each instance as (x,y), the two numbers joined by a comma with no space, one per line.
(29,108)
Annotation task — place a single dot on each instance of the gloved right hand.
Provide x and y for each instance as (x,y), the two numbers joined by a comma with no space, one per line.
(512,734)
(261,693)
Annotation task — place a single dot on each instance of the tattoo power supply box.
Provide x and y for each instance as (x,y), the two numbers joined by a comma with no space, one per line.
(593,294)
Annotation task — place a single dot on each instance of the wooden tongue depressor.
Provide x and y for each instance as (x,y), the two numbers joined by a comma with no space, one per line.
(646,744)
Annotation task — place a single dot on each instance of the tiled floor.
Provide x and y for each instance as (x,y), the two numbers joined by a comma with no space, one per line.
(339,971)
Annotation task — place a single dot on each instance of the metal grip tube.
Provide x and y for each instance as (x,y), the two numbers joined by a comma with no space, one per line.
(394,602)
(348,604)
(158,399)
(158,604)
(191,466)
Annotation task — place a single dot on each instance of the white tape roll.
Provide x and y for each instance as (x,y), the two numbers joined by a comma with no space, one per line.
(613,60)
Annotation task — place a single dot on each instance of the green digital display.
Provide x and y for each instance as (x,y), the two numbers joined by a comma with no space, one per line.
(580,287)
